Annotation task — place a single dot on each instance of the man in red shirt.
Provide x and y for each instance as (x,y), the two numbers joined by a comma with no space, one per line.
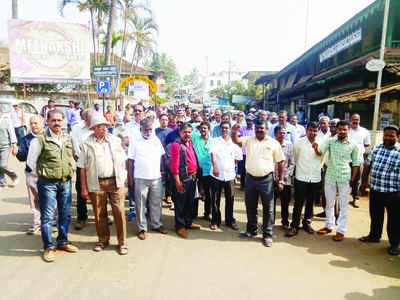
(184,167)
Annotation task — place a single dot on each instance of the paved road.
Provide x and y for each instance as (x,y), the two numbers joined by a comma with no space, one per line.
(208,265)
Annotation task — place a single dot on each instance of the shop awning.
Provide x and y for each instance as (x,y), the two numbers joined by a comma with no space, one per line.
(359,95)
(318,102)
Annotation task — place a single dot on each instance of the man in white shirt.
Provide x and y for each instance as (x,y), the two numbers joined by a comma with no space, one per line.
(79,134)
(18,121)
(307,179)
(324,131)
(132,129)
(299,129)
(361,137)
(144,176)
(224,155)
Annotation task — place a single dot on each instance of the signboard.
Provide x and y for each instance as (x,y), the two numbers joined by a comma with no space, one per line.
(343,44)
(222,101)
(48,52)
(239,99)
(105,71)
(375,65)
(130,79)
(138,86)
(103,87)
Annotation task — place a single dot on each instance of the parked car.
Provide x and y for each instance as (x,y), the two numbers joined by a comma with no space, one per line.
(6,105)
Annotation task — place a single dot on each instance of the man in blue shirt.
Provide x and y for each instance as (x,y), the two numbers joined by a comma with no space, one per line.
(201,144)
(383,164)
(290,130)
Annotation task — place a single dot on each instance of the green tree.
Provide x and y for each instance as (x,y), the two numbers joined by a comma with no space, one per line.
(192,78)
(97,9)
(163,64)
(116,38)
(142,34)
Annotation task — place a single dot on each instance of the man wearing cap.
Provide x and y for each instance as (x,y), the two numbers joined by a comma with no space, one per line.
(51,158)
(245,131)
(18,121)
(102,162)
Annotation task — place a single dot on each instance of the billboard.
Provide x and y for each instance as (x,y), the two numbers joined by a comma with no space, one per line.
(239,99)
(48,52)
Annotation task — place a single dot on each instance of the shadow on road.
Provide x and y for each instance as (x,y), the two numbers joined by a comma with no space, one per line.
(392,292)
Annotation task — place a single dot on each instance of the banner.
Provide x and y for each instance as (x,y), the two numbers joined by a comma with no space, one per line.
(48,52)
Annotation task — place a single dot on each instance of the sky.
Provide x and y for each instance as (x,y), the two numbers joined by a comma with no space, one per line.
(252,35)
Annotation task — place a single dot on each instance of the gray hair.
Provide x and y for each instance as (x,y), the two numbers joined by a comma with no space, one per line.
(86,114)
(146,122)
(324,118)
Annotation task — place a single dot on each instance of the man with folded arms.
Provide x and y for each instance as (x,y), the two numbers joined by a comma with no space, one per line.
(183,167)
(263,153)
(224,155)
(383,163)
(51,158)
(145,163)
(307,179)
(102,162)
(339,176)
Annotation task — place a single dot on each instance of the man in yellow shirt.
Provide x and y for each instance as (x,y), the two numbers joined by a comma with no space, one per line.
(263,152)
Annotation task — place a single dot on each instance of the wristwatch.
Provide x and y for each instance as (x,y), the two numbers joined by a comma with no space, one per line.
(282,182)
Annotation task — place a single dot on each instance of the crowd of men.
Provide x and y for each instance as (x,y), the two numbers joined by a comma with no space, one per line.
(180,156)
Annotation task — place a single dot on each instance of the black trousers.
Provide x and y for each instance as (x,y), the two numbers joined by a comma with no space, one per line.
(260,187)
(303,191)
(285,195)
(81,206)
(216,189)
(321,191)
(206,185)
(242,168)
(377,203)
(169,182)
(184,203)
(355,189)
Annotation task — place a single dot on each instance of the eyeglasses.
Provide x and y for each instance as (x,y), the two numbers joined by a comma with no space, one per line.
(137,110)
(179,123)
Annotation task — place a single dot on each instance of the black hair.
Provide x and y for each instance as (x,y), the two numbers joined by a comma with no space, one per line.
(342,123)
(392,127)
(277,128)
(223,123)
(205,123)
(312,125)
(53,112)
(261,122)
(184,125)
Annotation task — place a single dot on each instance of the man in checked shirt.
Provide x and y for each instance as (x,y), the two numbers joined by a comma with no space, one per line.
(383,164)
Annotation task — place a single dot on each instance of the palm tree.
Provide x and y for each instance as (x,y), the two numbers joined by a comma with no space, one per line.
(129,10)
(142,35)
(96,8)
(115,39)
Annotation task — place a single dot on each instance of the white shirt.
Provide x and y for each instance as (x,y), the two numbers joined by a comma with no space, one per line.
(131,129)
(16,118)
(361,137)
(35,149)
(6,123)
(120,117)
(79,135)
(308,164)
(300,131)
(147,156)
(322,136)
(225,153)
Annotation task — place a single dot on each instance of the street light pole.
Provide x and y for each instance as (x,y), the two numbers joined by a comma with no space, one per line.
(381,57)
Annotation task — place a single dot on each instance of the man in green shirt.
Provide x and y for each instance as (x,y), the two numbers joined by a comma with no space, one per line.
(339,176)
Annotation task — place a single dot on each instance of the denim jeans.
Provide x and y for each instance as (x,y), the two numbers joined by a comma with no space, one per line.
(49,195)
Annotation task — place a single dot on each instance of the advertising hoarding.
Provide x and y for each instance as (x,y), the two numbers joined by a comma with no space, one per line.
(49,52)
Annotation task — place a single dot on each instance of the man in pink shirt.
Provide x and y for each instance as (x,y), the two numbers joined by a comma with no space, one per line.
(184,167)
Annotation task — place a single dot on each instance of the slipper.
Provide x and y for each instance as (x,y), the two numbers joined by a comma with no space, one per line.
(123,250)
(368,239)
(393,251)
(99,246)
(213,227)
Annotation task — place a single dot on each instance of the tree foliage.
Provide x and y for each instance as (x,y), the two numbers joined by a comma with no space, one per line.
(163,64)
(192,78)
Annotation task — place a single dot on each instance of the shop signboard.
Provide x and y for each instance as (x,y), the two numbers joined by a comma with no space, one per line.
(49,52)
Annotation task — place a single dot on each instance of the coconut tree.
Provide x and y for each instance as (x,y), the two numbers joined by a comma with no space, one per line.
(143,30)
(97,9)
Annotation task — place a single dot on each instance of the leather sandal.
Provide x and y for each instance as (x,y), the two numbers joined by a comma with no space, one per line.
(123,250)
(99,247)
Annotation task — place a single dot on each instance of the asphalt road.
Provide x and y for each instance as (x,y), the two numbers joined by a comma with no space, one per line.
(207,265)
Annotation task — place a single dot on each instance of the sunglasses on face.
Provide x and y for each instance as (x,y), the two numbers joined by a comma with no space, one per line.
(138,110)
